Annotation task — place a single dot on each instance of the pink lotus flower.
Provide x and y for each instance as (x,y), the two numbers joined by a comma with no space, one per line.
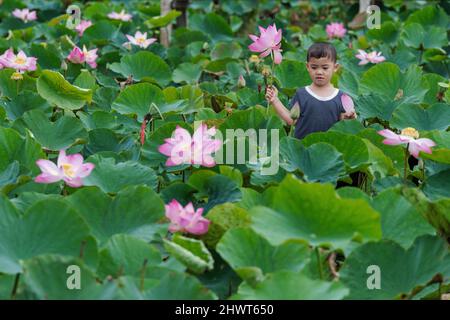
(20,62)
(68,168)
(186,219)
(408,136)
(24,14)
(347,103)
(184,149)
(120,16)
(336,30)
(79,56)
(140,39)
(267,43)
(82,26)
(373,57)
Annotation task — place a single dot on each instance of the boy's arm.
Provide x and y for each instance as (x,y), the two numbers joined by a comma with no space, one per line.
(344,116)
(282,111)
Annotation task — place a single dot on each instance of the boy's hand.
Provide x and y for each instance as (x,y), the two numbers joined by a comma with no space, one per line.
(271,94)
(351,115)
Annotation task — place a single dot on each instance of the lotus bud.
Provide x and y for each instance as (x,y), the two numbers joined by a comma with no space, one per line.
(241,82)
(254,59)
(295,112)
(265,71)
(63,65)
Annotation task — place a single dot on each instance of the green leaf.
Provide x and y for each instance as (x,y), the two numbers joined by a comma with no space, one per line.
(48,277)
(113,177)
(137,99)
(433,118)
(143,66)
(402,271)
(47,55)
(24,102)
(245,250)
(400,221)
(353,148)
(187,72)
(376,106)
(136,211)
(85,80)
(441,155)
(127,255)
(53,87)
(56,135)
(212,24)
(315,213)
(320,162)
(437,213)
(162,21)
(221,189)
(388,33)
(387,80)
(14,147)
(292,75)
(223,50)
(224,217)
(191,252)
(438,185)
(48,227)
(288,285)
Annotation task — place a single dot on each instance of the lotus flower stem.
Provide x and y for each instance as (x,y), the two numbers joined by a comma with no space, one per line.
(144,268)
(405,170)
(15,286)
(319,264)
(82,247)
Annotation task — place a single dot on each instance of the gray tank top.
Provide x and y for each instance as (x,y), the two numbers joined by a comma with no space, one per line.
(316,113)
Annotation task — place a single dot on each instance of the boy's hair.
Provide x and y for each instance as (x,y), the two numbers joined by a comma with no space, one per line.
(322,50)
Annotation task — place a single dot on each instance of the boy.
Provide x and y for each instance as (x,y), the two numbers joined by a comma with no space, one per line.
(320,103)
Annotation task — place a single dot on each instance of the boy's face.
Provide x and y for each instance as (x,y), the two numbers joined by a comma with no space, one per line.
(321,70)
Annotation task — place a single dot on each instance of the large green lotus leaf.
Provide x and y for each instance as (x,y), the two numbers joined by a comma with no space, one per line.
(250,198)
(239,7)
(85,80)
(435,117)
(441,155)
(353,193)
(349,126)
(289,285)
(292,75)
(99,33)
(180,191)
(24,102)
(142,66)
(193,96)
(429,16)
(415,36)
(187,72)
(124,254)
(49,277)
(136,211)
(162,21)
(245,251)
(113,177)
(388,32)
(224,50)
(433,79)
(171,286)
(438,185)
(395,153)
(224,217)
(221,189)
(375,106)
(191,252)
(47,55)
(137,99)
(386,79)
(49,226)
(8,86)
(314,212)
(214,25)
(54,135)
(150,153)
(437,213)
(353,148)
(400,220)
(320,162)
(401,271)
(349,83)
(55,89)
(381,165)
(14,147)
